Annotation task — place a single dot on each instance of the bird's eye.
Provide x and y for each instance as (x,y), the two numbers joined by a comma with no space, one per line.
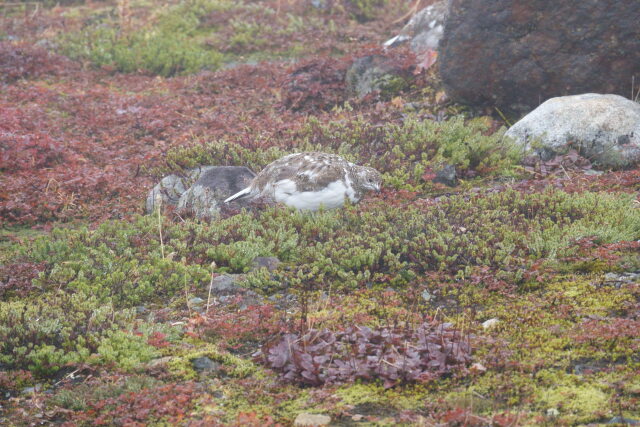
(370,180)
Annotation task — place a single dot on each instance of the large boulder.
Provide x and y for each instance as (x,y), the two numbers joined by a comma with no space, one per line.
(214,184)
(603,128)
(169,190)
(515,54)
(424,30)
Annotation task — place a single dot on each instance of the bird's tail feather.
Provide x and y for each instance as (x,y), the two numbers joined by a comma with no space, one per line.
(239,194)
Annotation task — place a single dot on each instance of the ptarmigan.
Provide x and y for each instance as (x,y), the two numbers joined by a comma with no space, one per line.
(308,181)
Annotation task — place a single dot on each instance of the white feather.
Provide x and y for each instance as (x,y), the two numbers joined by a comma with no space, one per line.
(330,197)
(238,194)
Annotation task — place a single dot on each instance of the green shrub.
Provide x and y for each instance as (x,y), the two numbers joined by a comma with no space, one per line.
(106,263)
(380,243)
(60,329)
(404,153)
(166,47)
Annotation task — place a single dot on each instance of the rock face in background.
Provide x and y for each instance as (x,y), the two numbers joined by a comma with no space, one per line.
(515,54)
(214,185)
(424,30)
(603,128)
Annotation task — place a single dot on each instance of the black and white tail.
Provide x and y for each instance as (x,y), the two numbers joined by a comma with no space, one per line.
(239,194)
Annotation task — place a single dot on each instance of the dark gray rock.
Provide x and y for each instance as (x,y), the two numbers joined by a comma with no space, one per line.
(212,187)
(225,291)
(515,54)
(269,262)
(169,190)
(225,284)
(447,175)
(204,364)
(603,128)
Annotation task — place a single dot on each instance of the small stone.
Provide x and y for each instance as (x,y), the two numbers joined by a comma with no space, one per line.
(357,417)
(624,420)
(204,364)
(268,262)
(319,4)
(31,390)
(426,295)
(305,419)
(155,363)
(488,324)
(196,301)
(552,412)
(447,176)
(225,285)
(592,172)
(479,368)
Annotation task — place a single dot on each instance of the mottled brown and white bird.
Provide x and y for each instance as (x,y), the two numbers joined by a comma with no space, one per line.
(308,181)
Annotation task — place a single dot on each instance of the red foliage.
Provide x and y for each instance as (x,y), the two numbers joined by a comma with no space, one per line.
(599,330)
(157,339)
(24,61)
(170,402)
(316,84)
(12,382)
(17,277)
(234,328)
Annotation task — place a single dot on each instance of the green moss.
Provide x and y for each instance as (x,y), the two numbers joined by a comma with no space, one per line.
(579,403)
(233,366)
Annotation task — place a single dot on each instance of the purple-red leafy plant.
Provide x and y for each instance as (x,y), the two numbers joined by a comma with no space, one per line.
(393,355)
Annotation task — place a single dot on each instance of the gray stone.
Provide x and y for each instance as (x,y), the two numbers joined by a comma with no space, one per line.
(269,262)
(31,390)
(488,324)
(212,187)
(225,284)
(196,301)
(204,364)
(305,419)
(515,54)
(447,175)
(424,30)
(171,188)
(162,361)
(320,4)
(618,280)
(603,128)
(624,420)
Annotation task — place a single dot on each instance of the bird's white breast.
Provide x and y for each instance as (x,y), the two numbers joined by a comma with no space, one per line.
(331,196)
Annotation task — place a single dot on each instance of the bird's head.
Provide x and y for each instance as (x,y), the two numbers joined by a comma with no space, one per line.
(369,178)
